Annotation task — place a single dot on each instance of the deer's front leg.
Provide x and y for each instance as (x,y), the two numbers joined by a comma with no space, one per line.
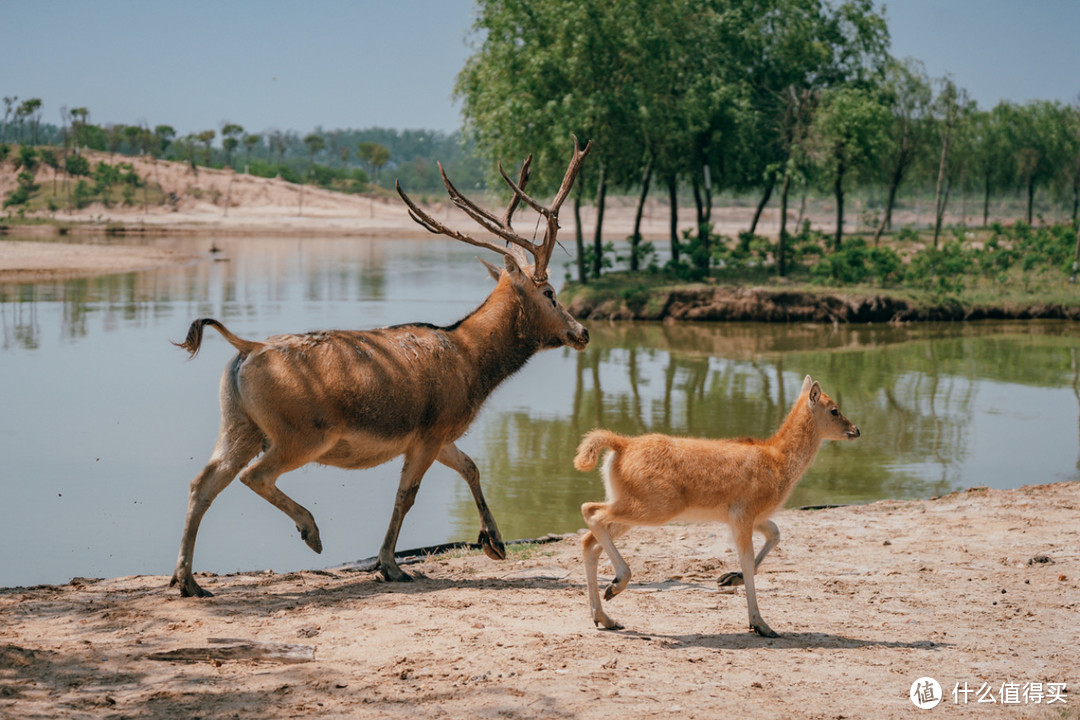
(489,539)
(417,462)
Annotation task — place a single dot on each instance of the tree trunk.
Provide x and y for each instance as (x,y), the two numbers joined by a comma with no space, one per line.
(781,242)
(635,238)
(703,207)
(769,184)
(939,214)
(579,236)
(1076,204)
(986,199)
(1030,198)
(839,190)
(886,218)
(598,242)
(939,205)
(673,201)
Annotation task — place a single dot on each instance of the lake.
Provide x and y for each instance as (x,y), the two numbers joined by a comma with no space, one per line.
(104,423)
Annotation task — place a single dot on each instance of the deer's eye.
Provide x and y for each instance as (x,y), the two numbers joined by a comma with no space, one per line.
(835,411)
(550,295)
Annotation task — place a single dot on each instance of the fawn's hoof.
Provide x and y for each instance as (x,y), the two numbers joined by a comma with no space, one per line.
(731,579)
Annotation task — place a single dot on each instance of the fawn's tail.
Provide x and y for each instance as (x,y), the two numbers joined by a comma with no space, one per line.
(593,443)
(193,341)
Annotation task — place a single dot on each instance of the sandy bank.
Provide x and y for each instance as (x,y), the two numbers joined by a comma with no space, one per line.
(980,587)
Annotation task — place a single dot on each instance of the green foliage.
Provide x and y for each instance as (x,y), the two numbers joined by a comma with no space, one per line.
(646,256)
(77,166)
(27,158)
(857,263)
(940,270)
(82,195)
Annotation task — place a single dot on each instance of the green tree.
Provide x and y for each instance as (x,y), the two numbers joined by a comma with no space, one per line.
(230,139)
(951,107)
(1038,139)
(105,177)
(848,134)
(114,135)
(9,108)
(80,117)
(375,155)
(165,135)
(250,141)
(29,112)
(314,144)
(908,95)
(206,137)
(49,159)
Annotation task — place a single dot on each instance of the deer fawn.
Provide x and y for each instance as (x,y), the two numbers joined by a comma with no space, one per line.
(356,399)
(654,479)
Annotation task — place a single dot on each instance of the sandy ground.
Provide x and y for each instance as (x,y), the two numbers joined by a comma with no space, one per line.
(28,261)
(979,589)
(226,202)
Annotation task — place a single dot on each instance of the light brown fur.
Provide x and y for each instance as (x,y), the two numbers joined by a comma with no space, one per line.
(356,399)
(654,479)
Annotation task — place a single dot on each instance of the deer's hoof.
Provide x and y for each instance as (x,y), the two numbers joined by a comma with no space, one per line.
(394,574)
(606,623)
(731,579)
(492,545)
(764,630)
(189,588)
(311,537)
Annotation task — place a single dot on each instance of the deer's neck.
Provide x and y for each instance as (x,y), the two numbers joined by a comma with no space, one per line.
(498,337)
(797,441)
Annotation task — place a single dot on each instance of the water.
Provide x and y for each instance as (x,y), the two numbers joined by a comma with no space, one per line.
(104,423)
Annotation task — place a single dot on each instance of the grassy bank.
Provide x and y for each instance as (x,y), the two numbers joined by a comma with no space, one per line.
(999,272)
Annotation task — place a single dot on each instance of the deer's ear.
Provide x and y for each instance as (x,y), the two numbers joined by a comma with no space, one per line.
(815,393)
(511,266)
(493,270)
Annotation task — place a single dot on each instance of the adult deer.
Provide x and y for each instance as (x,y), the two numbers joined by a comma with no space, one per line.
(356,399)
(654,479)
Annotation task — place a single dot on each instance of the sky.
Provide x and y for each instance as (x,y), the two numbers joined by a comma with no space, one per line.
(392,63)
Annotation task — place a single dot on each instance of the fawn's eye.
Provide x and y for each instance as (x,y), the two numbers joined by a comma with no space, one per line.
(835,411)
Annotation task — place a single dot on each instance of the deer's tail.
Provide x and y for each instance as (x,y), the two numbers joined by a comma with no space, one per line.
(593,443)
(193,342)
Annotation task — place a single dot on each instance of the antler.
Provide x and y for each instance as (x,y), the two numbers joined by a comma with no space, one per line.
(501,226)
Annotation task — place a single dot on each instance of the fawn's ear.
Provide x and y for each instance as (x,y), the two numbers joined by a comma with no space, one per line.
(815,393)
(493,270)
(806,383)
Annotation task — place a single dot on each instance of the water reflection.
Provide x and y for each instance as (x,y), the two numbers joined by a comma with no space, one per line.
(941,407)
(105,423)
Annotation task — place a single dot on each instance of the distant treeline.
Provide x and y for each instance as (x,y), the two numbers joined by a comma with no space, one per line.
(343,159)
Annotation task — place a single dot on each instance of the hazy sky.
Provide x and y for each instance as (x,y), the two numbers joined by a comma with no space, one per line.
(336,63)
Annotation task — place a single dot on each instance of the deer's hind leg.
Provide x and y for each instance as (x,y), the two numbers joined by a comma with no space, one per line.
(489,539)
(262,475)
(238,442)
(772,536)
(590,551)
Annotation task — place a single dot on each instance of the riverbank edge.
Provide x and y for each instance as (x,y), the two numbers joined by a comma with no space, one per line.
(737,303)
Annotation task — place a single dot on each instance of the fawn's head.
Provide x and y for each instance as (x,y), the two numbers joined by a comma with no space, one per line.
(830,422)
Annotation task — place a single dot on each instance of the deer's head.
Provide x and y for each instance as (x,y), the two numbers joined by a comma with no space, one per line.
(831,423)
(554,326)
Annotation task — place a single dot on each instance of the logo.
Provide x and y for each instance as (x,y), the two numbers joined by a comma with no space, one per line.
(925,693)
